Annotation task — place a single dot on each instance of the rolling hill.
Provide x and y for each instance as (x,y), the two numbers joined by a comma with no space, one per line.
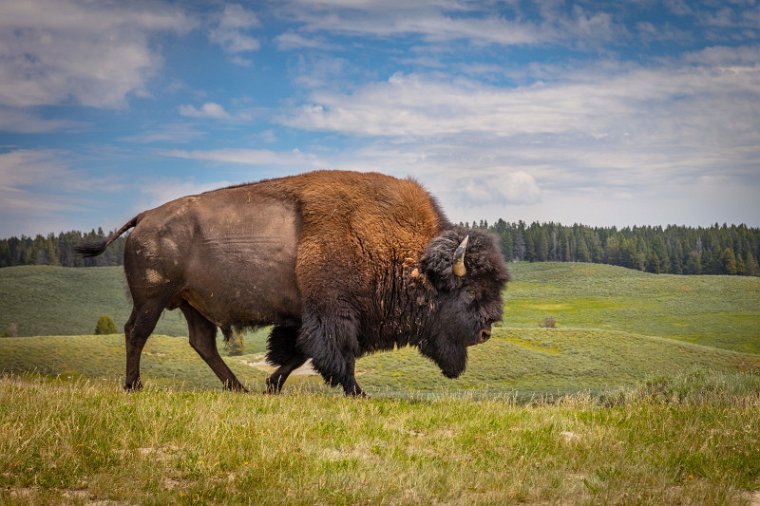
(615,328)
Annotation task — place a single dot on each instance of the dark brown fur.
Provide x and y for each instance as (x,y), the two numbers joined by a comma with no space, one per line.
(341,263)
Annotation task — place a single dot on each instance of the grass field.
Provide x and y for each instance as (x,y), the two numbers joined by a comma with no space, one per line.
(51,301)
(647,392)
(690,440)
(719,311)
(515,362)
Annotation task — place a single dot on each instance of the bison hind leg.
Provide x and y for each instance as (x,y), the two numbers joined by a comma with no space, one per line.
(282,350)
(203,340)
(141,323)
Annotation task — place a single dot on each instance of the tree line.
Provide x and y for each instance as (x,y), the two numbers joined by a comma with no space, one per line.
(58,250)
(717,249)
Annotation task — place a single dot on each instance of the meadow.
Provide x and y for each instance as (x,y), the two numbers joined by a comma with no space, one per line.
(646,392)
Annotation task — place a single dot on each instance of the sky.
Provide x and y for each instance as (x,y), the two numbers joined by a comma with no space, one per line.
(613,113)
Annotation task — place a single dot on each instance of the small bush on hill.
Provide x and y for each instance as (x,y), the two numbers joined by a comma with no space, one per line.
(233,341)
(548,323)
(105,326)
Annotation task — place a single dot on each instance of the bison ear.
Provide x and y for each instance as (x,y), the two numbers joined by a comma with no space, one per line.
(444,259)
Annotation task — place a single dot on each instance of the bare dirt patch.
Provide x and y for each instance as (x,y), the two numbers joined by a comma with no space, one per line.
(259,362)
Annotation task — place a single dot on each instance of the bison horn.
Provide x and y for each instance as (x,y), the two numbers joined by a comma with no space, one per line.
(458,268)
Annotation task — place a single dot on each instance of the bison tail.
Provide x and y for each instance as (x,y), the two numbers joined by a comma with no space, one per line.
(91,248)
(95,248)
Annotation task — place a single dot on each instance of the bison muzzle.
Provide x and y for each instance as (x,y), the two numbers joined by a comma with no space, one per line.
(339,263)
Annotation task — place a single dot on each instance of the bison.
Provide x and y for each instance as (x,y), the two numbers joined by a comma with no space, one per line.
(339,263)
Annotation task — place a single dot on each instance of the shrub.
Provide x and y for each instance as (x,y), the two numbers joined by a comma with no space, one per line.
(105,326)
(11,330)
(233,341)
(548,323)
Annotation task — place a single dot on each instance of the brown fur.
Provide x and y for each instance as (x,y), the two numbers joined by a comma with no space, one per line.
(341,263)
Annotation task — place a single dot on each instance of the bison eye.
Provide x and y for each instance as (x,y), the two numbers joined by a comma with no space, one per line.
(473,294)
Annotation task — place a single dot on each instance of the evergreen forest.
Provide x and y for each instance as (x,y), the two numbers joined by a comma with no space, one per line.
(718,249)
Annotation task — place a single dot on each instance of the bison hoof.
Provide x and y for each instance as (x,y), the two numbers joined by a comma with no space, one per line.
(235,387)
(133,386)
(274,385)
(356,391)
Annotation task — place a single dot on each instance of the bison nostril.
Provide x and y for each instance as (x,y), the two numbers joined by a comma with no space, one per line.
(485,335)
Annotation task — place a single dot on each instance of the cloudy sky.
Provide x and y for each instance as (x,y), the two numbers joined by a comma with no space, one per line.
(618,113)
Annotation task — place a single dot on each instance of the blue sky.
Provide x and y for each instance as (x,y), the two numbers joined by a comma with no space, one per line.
(602,113)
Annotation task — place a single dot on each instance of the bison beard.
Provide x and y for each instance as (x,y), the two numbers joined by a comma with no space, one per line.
(340,263)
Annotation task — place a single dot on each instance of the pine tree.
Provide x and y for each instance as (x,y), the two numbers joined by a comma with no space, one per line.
(542,245)
(694,263)
(751,267)
(582,253)
(729,261)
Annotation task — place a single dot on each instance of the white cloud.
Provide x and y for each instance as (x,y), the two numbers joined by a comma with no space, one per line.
(160,190)
(23,121)
(207,110)
(603,132)
(292,40)
(36,188)
(214,111)
(24,167)
(171,133)
(231,30)
(674,103)
(291,159)
(431,20)
(94,54)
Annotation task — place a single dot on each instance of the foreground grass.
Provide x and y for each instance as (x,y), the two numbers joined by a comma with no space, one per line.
(689,440)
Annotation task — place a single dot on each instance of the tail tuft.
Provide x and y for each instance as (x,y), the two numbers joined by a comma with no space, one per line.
(91,248)
(95,248)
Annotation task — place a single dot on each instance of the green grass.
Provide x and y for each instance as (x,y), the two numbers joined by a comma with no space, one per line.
(646,393)
(616,327)
(691,440)
(524,363)
(718,311)
(45,300)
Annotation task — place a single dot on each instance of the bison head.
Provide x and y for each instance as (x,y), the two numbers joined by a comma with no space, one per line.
(467,274)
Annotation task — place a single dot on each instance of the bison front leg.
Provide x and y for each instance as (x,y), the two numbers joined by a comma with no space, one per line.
(349,384)
(332,344)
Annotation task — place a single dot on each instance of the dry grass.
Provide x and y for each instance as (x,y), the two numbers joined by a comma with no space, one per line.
(688,442)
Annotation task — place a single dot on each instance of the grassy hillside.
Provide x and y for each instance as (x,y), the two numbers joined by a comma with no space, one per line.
(611,328)
(45,300)
(719,311)
(519,362)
